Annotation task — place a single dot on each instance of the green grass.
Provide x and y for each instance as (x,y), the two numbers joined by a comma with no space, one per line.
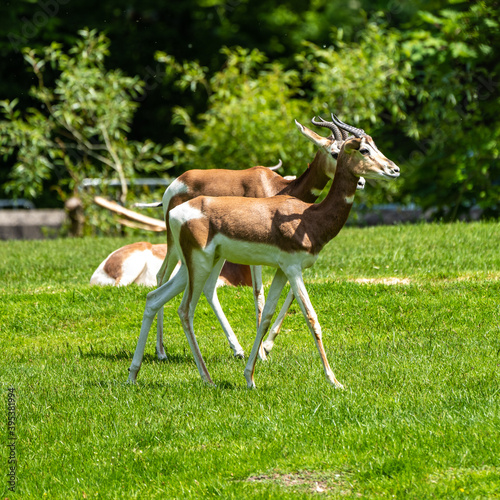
(420,362)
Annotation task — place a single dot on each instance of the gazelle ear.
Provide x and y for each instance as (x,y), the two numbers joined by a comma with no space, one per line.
(320,141)
(352,144)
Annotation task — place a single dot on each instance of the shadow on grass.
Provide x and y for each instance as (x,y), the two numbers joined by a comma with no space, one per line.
(150,359)
(226,385)
(124,354)
(174,359)
(109,384)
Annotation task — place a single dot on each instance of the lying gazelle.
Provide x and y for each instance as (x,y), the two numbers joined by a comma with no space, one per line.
(281,231)
(136,263)
(140,262)
(256,182)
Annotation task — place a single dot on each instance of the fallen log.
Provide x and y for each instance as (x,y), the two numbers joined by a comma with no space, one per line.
(140,221)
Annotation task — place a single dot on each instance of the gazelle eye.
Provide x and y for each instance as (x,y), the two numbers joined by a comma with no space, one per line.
(364,151)
(335,155)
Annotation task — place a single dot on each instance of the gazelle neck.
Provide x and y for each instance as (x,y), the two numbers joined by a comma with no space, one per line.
(308,186)
(334,210)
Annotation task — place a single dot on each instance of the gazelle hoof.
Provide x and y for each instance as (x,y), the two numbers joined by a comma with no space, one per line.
(268,346)
(239,355)
(209,382)
(160,354)
(132,375)
(249,379)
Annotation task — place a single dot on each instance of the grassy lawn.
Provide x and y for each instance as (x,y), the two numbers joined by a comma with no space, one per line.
(419,357)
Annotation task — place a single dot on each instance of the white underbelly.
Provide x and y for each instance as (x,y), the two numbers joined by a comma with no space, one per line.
(243,252)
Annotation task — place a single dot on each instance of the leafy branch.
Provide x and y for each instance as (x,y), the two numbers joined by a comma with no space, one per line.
(80,128)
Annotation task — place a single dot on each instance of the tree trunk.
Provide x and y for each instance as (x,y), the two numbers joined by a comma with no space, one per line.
(74,209)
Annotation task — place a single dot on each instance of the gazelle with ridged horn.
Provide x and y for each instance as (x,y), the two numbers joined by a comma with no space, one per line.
(281,231)
(255,182)
(268,344)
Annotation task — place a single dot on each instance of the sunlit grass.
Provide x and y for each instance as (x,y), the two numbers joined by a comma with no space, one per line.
(419,416)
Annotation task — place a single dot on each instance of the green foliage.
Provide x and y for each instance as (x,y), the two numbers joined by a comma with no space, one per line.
(428,95)
(252,104)
(419,418)
(249,120)
(453,113)
(422,77)
(364,82)
(361,80)
(80,126)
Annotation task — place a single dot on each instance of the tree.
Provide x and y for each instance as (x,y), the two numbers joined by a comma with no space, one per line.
(428,93)
(251,105)
(80,128)
(453,116)
(422,77)
(365,82)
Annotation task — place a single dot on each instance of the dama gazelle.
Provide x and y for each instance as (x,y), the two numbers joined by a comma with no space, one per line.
(140,262)
(281,231)
(255,182)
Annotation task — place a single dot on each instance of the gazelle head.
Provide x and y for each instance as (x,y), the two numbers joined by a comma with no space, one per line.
(331,144)
(362,155)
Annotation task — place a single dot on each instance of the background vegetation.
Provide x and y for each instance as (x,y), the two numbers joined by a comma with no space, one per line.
(219,83)
(93,89)
(419,416)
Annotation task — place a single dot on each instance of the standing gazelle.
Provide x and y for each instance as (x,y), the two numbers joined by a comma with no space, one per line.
(281,231)
(255,182)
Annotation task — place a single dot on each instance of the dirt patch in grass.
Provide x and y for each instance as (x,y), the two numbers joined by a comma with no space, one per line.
(310,481)
(461,476)
(490,276)
(383,281)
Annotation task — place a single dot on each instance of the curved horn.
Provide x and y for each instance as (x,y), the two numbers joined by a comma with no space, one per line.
(358,132)
(345,134)
(276,167)
(336,132)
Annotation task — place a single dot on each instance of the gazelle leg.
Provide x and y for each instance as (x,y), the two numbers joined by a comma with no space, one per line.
(258,291)
(154,301)
(160,349)
(210,291)
(134,269)
(167,269)
(197,277)
(259,301)
(273,296)
(268,344)
(300,292)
